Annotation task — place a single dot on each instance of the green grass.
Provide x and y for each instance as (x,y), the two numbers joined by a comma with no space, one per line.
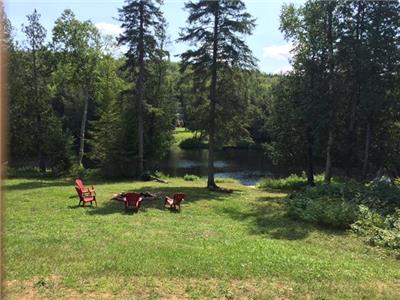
(181,134)
(238,245)
(290,183)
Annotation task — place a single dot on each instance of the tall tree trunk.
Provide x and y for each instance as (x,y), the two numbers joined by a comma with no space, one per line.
(366,150)
(356,91)
(328,167)
(213,90)
(40,140)
(140,91)
(310,158)
(83,126)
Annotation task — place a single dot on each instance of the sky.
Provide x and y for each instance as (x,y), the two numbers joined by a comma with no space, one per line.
(267,42)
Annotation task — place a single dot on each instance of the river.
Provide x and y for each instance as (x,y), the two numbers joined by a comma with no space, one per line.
(245,165)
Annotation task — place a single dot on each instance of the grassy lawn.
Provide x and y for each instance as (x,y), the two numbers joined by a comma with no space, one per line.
(231,246)
(181,134)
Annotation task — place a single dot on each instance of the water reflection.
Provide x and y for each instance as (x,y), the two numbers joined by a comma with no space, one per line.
(246,165)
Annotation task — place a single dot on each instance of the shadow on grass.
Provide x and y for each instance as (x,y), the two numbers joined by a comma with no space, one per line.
(193,194)
(267,216)
(37,185)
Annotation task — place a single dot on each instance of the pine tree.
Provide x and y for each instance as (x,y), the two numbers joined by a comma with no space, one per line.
(35,37)
(142,20)
(216,29)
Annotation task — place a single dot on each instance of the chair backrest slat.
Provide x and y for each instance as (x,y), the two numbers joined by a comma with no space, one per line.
(79,183)
(132,198)
(178,197)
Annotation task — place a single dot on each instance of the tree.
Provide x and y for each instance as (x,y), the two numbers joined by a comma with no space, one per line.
(35,37)
(216,29)
(79,43)
(141,21)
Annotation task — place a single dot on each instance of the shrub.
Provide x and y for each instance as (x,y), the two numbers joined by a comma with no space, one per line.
(381,196)
(77,171)
(334,212)
(293,182)
(378,230)
(188,177)
(193,143)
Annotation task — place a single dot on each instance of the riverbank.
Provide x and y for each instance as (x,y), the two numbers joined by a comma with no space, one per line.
(188,140)
(239,245)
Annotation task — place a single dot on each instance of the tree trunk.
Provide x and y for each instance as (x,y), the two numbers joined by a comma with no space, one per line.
(310,159)
(328,167)
(356,92)
(140,91)
(83,126)
(213,90)
(366,151)
(37,108)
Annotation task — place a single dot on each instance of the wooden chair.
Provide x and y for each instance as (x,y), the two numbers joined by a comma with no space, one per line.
(133,200)
(79,183)
(175,201)
(85,197)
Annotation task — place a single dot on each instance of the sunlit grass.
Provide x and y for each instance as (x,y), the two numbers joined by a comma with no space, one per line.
(181,134)
(238,245)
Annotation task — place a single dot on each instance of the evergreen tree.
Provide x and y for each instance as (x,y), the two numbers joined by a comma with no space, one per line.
(216,29)
(35,37)
(142,21)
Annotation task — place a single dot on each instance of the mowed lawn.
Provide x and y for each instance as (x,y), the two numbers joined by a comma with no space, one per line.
(233,246)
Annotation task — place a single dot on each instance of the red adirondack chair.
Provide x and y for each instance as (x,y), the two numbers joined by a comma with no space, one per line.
(175,201)
(133,200)
(79,183)
(86,195)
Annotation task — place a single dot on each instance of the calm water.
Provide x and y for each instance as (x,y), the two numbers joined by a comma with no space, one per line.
(248,166)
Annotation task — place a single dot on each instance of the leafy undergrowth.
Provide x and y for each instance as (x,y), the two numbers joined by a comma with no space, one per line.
(290,183)
(237,245)
(371,210)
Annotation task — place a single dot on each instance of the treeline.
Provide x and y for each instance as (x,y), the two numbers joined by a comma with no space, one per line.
(73,102)
(340,105)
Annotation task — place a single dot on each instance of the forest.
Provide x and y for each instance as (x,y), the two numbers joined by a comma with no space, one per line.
(73,102)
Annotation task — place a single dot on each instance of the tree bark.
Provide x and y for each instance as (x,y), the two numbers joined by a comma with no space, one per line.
(328,167)
(366,151)
(356,92)
(40,140)
(213,90)
(83,126)
(310,158)
(140,91)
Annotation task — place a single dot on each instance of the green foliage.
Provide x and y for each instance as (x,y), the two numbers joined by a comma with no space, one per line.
(378,230)
(371,210)
(292,182)
(325,210)
(77,171)
(188,177)
(193,143)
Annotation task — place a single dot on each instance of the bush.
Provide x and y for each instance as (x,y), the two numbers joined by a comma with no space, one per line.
(334,212)
(293,182)
(379,195)
(379,231)
(188,177)
(77,171)
(193,143)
